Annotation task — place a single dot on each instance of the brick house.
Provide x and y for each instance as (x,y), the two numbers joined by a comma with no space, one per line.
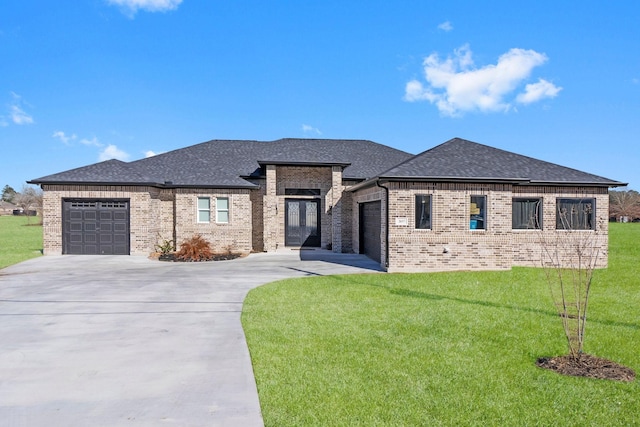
(460,205)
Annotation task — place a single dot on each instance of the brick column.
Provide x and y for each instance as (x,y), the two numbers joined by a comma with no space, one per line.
(336,211)
(270,208)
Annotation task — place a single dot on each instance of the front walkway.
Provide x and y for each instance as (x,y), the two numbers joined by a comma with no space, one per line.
(119,340)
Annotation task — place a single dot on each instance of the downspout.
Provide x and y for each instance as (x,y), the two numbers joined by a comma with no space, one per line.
(386,251)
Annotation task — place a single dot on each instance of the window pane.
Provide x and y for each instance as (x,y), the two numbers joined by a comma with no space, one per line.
(423,211)
(222,209)
(477,213)
(575,214)
(222,204)
(223,216)
(204,216)
(203,203)
(526,214)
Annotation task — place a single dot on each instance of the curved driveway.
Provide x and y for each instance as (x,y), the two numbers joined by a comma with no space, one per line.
(118,340)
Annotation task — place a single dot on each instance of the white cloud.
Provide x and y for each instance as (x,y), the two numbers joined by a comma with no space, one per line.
(63,137)
(536,91)
(113,152)
(130,7)
(150,153)
(456,86)
(16,113)
(19,117)
(92,142)
(311,129)
(445,26)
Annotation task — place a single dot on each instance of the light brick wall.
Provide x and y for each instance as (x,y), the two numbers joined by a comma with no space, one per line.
(236,235)
(257,214)
(451,245)
(526,244)
(369,194)
(151,213)
(347,218)
(279,178)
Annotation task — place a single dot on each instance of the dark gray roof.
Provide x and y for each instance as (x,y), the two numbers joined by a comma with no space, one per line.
(459,159)
(224,163)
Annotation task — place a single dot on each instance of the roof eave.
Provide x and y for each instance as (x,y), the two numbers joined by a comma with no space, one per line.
(513,181)
(144,184)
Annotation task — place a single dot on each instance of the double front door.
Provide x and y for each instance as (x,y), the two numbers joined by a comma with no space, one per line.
(302,222)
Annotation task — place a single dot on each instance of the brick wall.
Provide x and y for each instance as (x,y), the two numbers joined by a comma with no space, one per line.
(450,244)
(369,194)
(150,215)
(279,178)
(152,212)
(235,235)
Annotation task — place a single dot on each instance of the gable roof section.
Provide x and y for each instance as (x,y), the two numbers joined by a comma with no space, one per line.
(462,160)
(224,163)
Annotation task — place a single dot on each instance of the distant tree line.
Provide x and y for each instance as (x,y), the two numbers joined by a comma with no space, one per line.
(624,205)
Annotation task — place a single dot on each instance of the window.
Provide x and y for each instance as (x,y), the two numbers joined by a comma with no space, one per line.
(575,214)
(478,213)
(204,209)
(222,209)
(526,214)
(423,211)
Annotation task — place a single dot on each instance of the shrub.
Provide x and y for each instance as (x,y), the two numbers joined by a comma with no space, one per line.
(166,246)
(195,249)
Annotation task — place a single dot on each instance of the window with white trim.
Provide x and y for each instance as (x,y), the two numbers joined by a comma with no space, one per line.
(204,209)
(222,210)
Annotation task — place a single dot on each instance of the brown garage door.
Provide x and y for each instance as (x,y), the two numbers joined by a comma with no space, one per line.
(95,227)
(370,229)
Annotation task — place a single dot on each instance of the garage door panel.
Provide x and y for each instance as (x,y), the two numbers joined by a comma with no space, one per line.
(370,229)
(95,227)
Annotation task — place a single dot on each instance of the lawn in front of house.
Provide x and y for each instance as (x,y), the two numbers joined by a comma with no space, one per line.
(441,348)
(20,239)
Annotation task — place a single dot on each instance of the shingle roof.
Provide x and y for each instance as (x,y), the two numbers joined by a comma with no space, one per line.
(224,163)
(459,159)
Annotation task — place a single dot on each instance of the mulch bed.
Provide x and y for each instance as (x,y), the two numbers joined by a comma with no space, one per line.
(586,365)
(217,257)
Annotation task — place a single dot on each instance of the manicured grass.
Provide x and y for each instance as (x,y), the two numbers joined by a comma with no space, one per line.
(441,349)
(19,241)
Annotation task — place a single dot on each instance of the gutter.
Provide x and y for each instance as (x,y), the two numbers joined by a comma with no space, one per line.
(386,240)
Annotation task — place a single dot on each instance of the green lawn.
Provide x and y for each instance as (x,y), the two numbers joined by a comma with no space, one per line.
(441,349)
(18,240)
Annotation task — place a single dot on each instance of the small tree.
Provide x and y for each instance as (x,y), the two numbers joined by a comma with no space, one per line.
(29,199)
(569,258)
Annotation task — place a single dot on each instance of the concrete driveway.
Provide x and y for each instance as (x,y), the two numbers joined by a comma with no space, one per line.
(119,340)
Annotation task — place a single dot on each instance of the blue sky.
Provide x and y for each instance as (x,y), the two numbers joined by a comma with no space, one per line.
(87,80)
